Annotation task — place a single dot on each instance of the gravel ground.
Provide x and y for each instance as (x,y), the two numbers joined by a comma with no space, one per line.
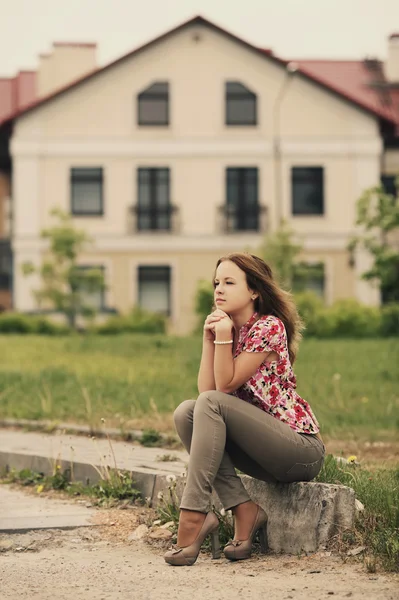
(94,563)
(100,562)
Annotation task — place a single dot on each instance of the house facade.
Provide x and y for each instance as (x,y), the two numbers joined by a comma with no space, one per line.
(193,146)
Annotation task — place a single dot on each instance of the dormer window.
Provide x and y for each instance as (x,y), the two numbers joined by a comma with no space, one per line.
(153,105)
(240,104)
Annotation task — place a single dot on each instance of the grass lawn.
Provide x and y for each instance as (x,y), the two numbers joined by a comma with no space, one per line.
(137,380)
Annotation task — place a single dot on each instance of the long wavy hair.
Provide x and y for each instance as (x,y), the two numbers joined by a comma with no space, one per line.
(272,300)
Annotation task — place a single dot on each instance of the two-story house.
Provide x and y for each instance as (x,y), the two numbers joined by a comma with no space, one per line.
(192,146)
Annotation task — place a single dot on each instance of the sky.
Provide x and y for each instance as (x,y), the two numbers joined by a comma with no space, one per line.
(340,29)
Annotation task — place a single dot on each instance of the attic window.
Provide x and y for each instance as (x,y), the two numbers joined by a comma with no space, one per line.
(240,104)
(153,105)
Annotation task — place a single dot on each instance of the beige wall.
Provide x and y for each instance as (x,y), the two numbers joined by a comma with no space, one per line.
(96,125)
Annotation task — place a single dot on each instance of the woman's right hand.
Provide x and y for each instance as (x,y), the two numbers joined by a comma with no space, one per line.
(209,325)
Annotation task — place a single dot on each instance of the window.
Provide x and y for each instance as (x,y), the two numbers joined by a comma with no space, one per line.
(388,182)
(153,105)
(153,209)
(307,191)
(87,191)
(96,299)
(154,289)
(309,276)
(242,207)
(5,265)
(240,104)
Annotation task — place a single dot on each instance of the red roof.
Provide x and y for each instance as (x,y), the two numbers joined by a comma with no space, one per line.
(347,79)
(362,82)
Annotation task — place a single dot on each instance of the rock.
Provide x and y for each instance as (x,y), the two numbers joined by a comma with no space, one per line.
(160,534)
(138,533)
(359,506)
(303,516)
(6,545)
(157,522)
(356,551)
(167,525)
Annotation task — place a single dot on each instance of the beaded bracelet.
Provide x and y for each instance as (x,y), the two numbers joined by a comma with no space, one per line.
(229,342)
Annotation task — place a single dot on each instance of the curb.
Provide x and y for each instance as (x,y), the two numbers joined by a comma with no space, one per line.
(146,481)
(46,426)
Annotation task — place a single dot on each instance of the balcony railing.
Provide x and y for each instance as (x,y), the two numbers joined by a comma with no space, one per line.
(241,219)
(160,219)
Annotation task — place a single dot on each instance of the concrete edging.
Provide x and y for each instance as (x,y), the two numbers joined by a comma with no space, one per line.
(302,516)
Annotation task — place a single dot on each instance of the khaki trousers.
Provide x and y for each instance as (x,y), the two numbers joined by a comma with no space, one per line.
(221,432)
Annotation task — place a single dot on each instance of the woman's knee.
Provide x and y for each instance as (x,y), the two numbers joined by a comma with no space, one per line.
(184,413)
(208,397)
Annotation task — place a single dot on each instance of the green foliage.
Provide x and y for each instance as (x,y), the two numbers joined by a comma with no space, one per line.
(27,324)
(281,251)
(151,437)
(138,321)
(346,318)
(378,214)
(115,485)
(378,491)
(349,318)
(390,319)
(63,284)
(203,303)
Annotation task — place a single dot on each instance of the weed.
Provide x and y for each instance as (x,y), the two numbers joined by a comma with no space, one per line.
(150,437)
(377,527)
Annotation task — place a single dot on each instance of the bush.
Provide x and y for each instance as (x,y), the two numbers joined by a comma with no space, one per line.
(352,319)
(138,321)
(29,324)
(203,302)
(345,318)
(16,323)
(310,308)
(390,320)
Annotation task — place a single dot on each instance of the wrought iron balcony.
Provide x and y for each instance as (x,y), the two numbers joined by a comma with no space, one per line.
(238,220)
(149,219)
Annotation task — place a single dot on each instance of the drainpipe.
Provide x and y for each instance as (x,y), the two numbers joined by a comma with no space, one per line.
(291,69)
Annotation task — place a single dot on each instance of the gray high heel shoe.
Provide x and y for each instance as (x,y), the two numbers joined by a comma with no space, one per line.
(187,556)
(241,549)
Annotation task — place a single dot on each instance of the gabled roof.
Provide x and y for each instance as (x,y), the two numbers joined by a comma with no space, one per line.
(362,82)
(303,71)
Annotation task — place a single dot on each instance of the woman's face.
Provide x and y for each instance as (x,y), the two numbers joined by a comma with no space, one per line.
(231,291)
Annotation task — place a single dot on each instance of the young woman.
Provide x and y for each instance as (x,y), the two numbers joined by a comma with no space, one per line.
(248,414)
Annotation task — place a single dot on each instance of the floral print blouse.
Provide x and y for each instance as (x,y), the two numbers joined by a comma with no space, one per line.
(273,387)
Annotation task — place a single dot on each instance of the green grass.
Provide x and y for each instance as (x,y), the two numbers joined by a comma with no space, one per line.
(352,385)
(377,527)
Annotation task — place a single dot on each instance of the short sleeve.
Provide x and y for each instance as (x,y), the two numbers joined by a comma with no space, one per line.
(265,335)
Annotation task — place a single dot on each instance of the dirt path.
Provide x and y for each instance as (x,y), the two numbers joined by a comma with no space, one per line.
(100,563)
(74,565)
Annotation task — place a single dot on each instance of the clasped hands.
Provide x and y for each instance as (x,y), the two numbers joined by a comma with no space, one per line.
(217,323)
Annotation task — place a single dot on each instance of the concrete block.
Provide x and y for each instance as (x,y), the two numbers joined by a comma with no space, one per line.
(303,516)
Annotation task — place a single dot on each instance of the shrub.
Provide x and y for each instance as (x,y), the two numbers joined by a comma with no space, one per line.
(352,319)
(16,323)
(138,321)
(390,320)
(310,308)
(203,302)
(30,324)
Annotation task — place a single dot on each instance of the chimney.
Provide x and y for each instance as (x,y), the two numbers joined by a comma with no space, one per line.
(64,65)
(392,63)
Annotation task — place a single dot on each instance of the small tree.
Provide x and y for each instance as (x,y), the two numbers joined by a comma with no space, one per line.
(64,284)
(378,214)
(281,252)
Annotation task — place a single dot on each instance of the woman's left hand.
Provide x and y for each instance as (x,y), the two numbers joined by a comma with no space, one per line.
(224,326)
